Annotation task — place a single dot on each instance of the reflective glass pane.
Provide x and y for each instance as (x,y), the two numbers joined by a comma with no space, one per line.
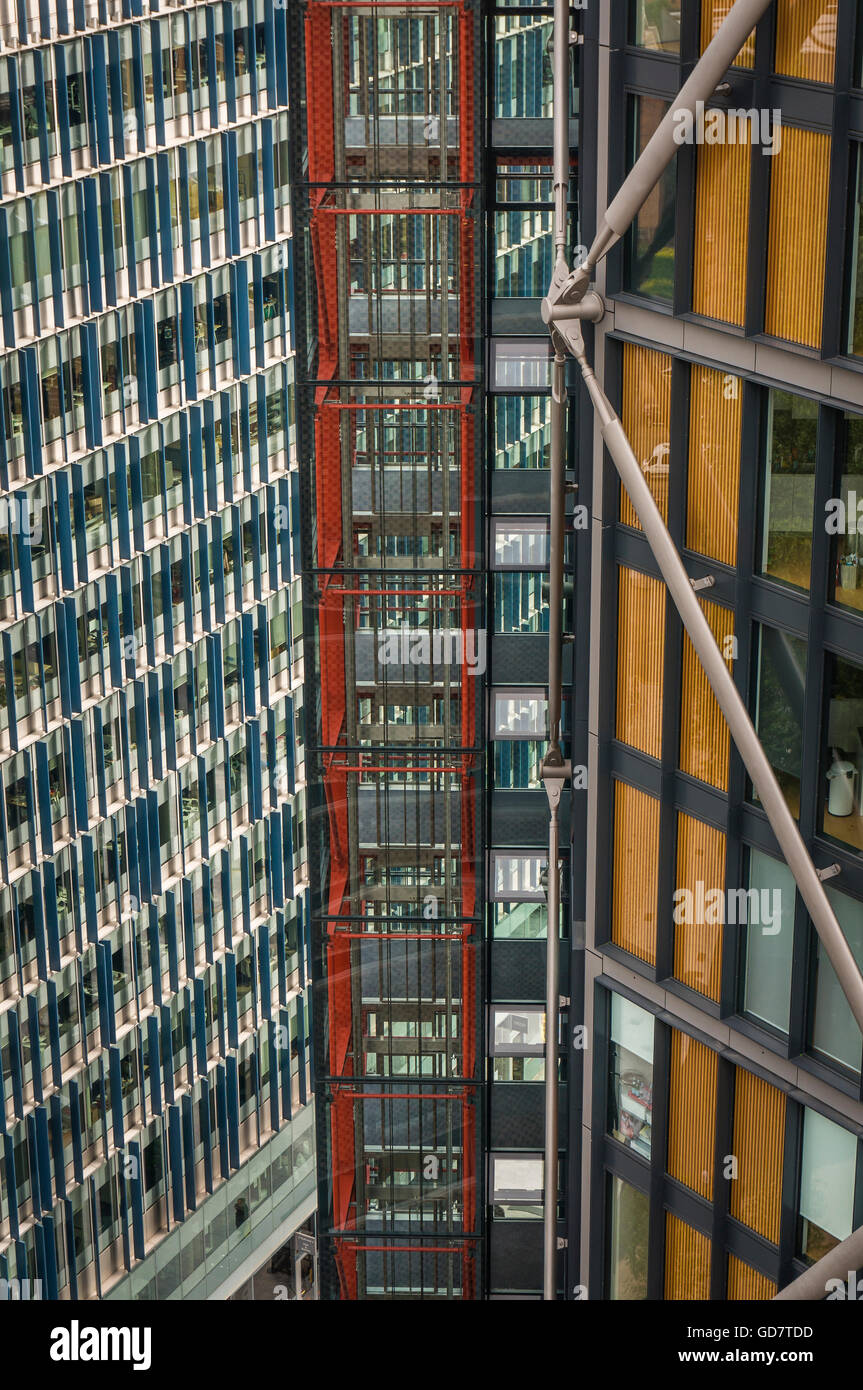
(767,911)
(780,672)
(789,488)
(834,1031)
(650,242)
(630,1090)
(842,765)
(827,1177)
(629,1213)
(655,24)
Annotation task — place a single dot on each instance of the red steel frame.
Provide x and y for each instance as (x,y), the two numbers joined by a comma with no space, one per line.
(320,16)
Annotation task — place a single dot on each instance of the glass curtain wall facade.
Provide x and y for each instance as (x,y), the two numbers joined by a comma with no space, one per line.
(397,614)
(155,1098)
(725,1078)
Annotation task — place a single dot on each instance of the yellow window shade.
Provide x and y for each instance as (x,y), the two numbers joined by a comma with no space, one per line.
(640,648)
(806,39)
(704,739)
(687,1261)
(721,231)
(712,14)
(636,859)
(692,1113)
(797,236)
(646,418)
(759,1146)
(715,412)
(698,945)
(745,1282)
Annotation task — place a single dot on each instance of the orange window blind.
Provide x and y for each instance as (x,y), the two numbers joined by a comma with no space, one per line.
(704,738)
(687,1260)
(640,649)
(715,414)
(759,1146)
(797,236)
(806,39)
(692,1113)
(722,230)
(646,418)
(698,943)
(712,14)
(636,859)
(745,1282)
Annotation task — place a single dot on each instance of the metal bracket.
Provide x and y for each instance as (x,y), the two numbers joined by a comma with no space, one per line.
(556,771)
(566,303)
(553,790)
(560,302)
(707,582)
(830,872)
(553,776)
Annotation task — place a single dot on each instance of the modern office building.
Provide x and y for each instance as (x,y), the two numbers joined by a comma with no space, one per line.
(722,1113)
(156,1110)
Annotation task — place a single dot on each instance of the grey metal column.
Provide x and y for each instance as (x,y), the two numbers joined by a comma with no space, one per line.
(558,383)
(557,502)
(552,1025)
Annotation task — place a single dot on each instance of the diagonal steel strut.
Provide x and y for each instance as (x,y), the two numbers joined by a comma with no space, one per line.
(569,300)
